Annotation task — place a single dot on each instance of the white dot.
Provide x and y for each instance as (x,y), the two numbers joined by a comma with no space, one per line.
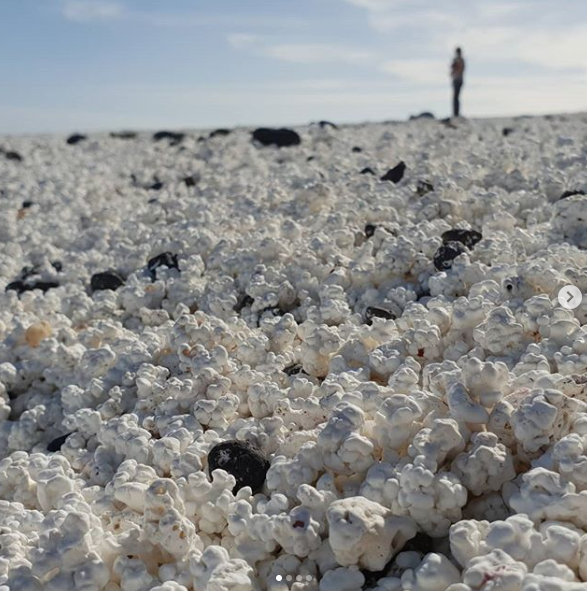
(309,577)
(289,578)
(299,578)
(278,578)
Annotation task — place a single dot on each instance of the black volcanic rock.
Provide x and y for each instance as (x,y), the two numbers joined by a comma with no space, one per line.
(294,369)
(396,173)
(423,187)
(446,254)
(370,230)
(423,115)
(165,259)
(506,131)
(173,136)
(282,138)
(109,280)
(373,312)
(356,149)
(327,124)
(243,461)
(123,135)
(367,170)
(243,301)
(190,181)
(21,286)
(76,138)
(467,237)
(219,133)
(12,155)
(571,193)
(57,443)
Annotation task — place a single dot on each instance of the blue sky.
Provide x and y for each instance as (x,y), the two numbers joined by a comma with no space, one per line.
(109,64)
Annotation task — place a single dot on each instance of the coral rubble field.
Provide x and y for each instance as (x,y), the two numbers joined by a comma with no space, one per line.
(321,359)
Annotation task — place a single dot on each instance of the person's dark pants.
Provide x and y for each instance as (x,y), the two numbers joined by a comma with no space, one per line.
(456,104)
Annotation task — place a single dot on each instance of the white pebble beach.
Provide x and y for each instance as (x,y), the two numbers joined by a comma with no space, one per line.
(429,432)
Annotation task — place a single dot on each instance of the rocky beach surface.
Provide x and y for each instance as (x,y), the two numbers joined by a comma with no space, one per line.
(329,358)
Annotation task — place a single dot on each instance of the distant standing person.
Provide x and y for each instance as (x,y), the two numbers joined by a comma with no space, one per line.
(457,70)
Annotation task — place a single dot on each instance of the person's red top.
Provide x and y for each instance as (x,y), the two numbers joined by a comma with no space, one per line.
(457,68)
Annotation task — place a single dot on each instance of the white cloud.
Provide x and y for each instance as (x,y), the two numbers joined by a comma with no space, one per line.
(91,10)
(555,48)
(418,71)
(314,53)
(299,53)
(242,40)
(550,35)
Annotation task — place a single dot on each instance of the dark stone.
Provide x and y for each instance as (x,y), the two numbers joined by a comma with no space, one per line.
(28,271)
(27,204)
(12,155)
(165,259)
(244,301)
(372,312)
(57,265)
(173,136)
(17,286)
(153,200)
(281,138)
(370,230)
(356,150)
(76,138)
(243,461)
(219,133)
(294,369)
(56,444)
(367,170)
(423,187)
(190,181)
(571,193)
(110,280)
(446,254)
(21,286)
(43,285)
(395,174)
(123,135)
(310,158)
(327,124)
(467,237)
(423,115)
(156,186)
(506,131)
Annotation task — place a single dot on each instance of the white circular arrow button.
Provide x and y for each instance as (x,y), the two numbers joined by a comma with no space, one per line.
(570,297)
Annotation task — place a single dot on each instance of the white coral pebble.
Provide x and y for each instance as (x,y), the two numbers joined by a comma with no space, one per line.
(366,534)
